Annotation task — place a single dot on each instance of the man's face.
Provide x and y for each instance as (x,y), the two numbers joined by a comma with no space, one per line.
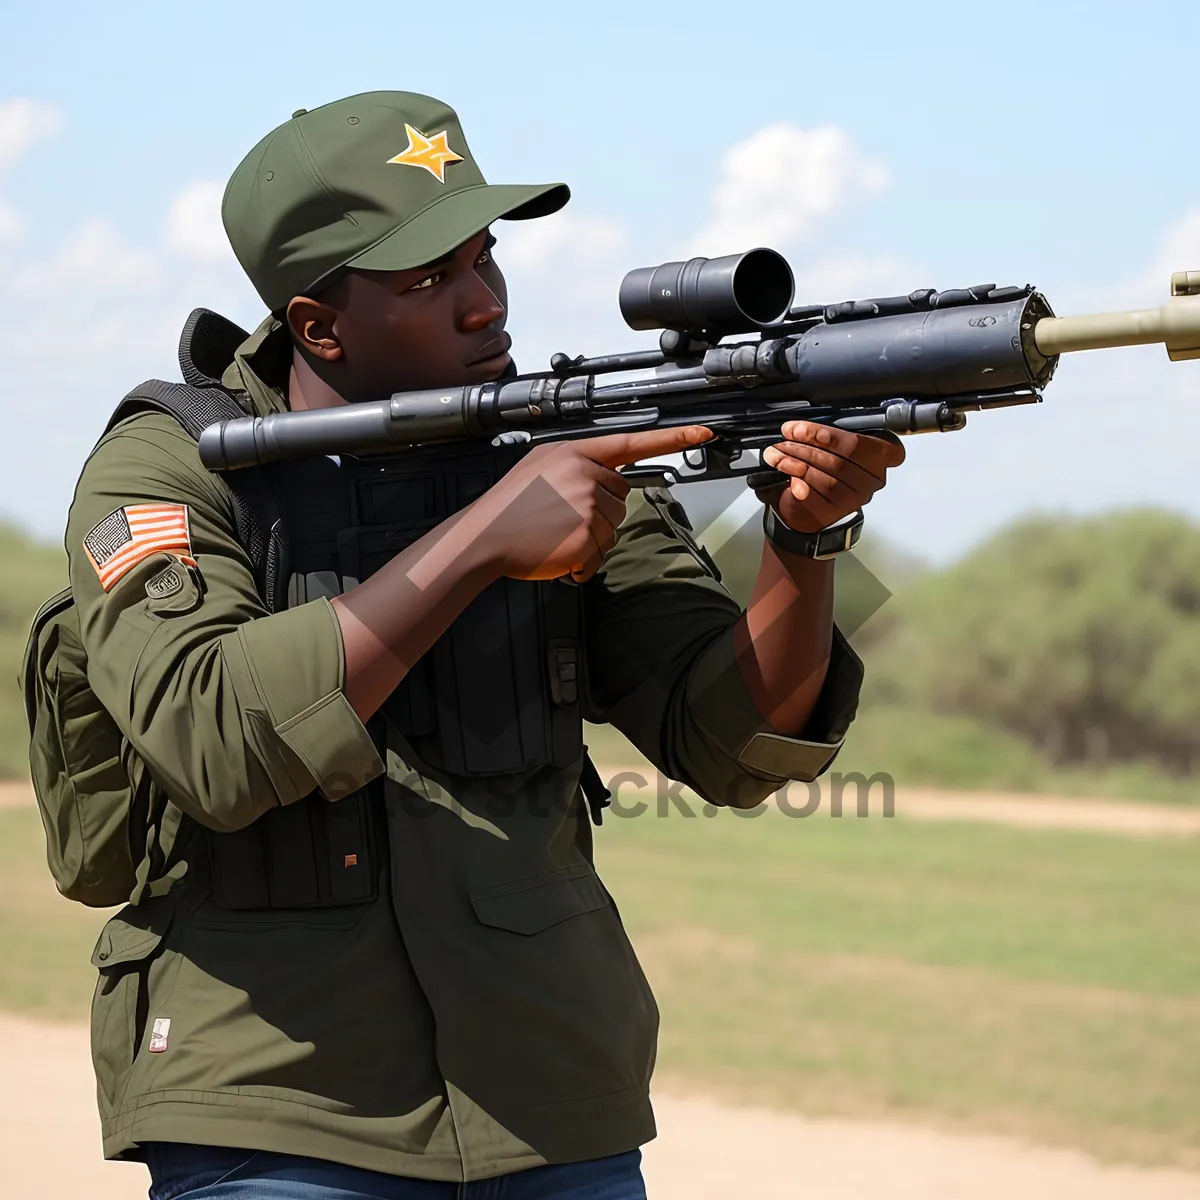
(433,326)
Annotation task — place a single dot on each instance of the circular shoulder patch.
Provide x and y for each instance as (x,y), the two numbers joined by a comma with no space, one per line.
(168,582)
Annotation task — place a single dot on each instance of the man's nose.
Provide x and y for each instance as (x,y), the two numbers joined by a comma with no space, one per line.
(481,307)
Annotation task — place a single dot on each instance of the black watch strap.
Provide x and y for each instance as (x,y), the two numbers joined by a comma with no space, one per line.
(825,543)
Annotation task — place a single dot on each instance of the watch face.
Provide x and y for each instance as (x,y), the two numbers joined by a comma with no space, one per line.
(840,538)
(825,543)
(830,542)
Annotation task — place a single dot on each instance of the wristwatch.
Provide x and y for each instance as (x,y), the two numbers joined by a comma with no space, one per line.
(825,543)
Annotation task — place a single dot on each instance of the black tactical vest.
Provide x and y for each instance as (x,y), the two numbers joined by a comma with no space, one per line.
(498,693)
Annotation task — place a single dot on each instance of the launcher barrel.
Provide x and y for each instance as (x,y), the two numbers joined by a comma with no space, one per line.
(1176,324)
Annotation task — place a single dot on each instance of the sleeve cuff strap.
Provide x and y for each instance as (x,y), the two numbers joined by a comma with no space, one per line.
(334,746)
(292,668)
(788,757)
(721,705)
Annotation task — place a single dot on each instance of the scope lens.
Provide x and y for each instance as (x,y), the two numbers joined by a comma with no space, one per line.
(762,286)
(737,293)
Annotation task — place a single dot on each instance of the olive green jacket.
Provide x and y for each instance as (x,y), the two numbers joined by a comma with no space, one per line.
(483,1013)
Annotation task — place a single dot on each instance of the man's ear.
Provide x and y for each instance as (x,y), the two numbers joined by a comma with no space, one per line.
(312,328)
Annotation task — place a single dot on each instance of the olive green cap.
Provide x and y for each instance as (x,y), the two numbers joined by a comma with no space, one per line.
(383,181)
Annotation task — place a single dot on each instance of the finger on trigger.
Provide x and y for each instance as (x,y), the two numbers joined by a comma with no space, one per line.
(618,449)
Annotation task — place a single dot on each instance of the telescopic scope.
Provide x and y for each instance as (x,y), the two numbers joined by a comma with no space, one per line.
(735,294)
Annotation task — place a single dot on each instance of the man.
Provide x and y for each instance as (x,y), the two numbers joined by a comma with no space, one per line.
(369,955)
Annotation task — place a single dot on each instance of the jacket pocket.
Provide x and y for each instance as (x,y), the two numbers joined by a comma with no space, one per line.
(128,948)
(528,906)
(551,966)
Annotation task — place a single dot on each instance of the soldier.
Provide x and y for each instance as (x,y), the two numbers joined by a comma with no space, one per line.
(368,954)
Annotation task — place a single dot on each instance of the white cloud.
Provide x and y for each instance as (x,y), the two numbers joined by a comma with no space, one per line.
(82,325)
(22,123)
(193,227)
(94,256)
(541,244)
(11,225)
(852,277)
(78,302)
(583,251)
(563,272)
(779,183)
(1178,250)
(775,186)
(100,297)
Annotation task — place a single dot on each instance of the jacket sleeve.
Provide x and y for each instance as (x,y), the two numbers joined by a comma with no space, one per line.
(661,667)
(233,710)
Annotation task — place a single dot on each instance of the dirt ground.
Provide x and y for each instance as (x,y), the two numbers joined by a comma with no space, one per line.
(1131,818)
(1033,811)
(706,1150)
(15,792)
(50,1148)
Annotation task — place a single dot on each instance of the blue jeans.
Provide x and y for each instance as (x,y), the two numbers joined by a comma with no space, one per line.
(181,1172)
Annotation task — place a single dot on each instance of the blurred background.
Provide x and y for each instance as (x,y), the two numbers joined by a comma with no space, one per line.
(1015,952)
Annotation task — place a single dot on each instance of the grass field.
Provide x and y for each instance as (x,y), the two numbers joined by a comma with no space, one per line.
(1036,983)
(45,941)
(1043,984)
(934,750)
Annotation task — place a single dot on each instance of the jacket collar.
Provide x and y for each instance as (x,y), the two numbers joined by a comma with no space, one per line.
(260,368)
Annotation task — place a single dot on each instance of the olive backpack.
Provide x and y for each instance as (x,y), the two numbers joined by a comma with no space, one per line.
(91,798)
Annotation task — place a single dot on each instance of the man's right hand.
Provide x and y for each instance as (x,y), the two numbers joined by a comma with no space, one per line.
(556,513)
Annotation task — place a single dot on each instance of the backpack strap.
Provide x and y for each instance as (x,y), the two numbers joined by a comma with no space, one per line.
(208,341)
(195,408)
(207,346)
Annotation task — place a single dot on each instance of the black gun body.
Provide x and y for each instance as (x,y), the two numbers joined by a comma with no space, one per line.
(906,372)
(939,354)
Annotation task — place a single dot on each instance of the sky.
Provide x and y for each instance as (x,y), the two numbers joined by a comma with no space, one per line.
(880,146)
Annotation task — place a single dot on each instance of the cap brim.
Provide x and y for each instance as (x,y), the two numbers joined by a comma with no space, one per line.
(456,217)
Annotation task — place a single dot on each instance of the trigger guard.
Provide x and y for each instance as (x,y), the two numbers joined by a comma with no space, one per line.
(649,477)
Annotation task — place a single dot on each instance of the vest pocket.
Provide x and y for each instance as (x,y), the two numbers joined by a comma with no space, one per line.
(498,692)
(309,855)
(127,947)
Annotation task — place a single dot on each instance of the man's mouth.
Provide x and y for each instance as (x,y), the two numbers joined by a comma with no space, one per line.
(490,353)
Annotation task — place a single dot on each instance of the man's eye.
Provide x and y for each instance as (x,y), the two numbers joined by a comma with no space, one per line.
(429,280)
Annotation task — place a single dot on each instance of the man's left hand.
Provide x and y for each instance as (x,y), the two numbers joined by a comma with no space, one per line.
(832,473)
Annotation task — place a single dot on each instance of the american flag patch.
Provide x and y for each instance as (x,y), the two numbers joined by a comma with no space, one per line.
(125,537)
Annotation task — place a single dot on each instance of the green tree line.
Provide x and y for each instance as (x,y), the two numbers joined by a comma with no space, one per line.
(1080,636)
(30,571)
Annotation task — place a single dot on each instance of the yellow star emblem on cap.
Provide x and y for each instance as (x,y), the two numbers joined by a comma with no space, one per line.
(431,152)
